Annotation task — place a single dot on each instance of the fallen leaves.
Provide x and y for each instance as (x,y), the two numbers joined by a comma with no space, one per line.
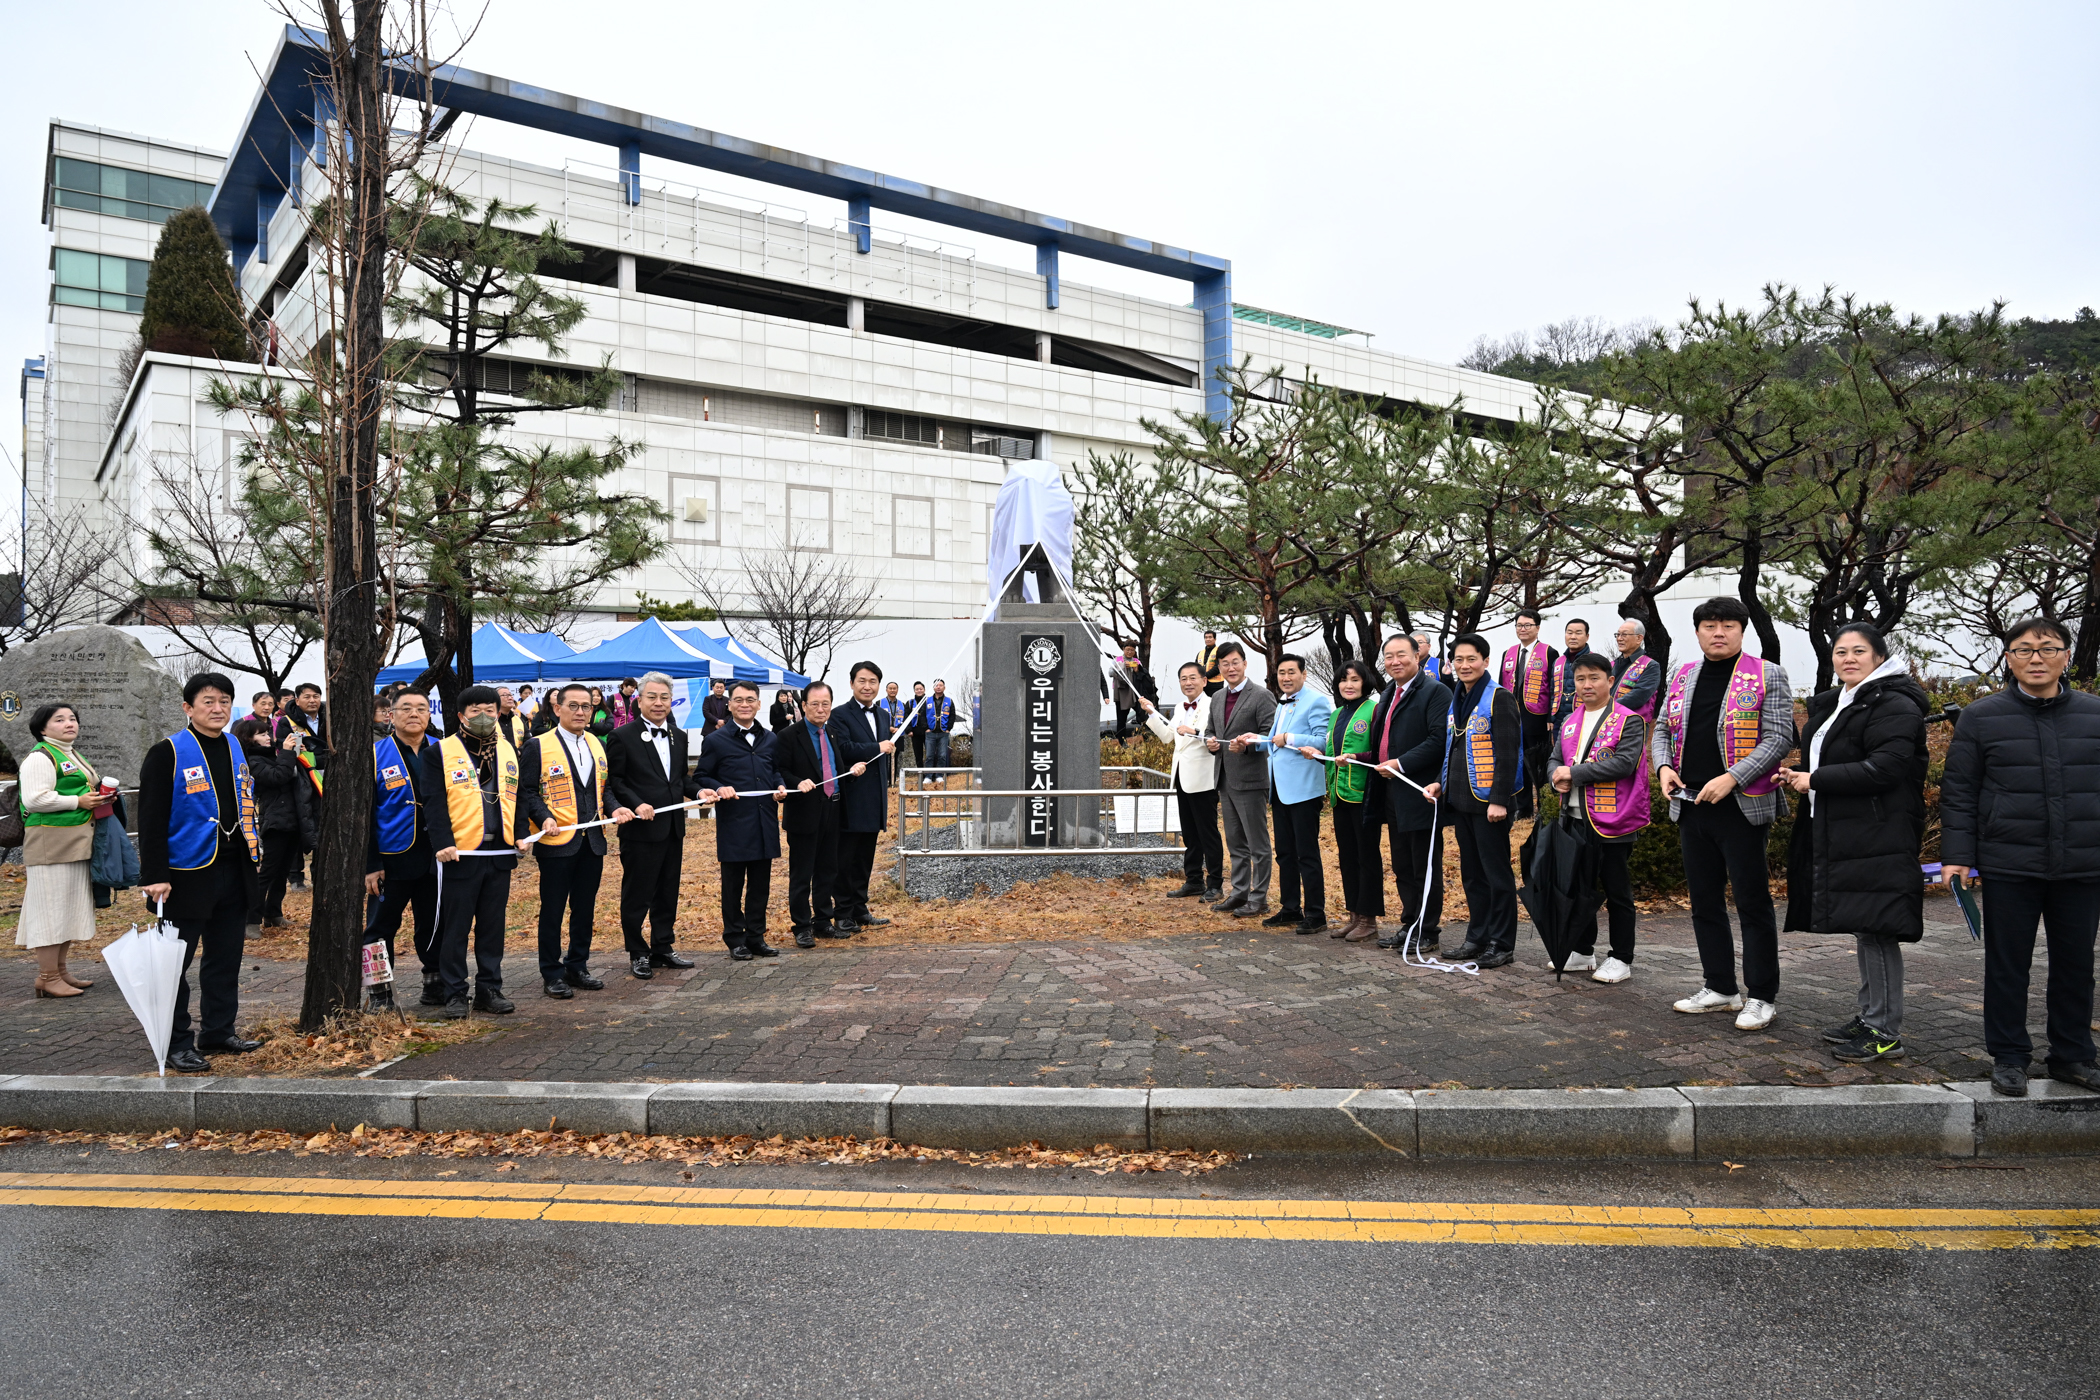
(354,1040)
(630,1149)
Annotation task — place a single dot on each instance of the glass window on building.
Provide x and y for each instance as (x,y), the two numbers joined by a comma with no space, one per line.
(121,193)
(99,279)
(899,427)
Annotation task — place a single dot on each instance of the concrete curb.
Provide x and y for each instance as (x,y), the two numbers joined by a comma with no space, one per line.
(1880,1120)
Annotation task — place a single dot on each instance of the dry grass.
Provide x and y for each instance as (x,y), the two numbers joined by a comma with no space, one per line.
(351,1042)
(627,1149)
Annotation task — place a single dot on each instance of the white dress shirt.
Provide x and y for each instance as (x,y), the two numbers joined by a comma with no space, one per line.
(659,737)
(579,751)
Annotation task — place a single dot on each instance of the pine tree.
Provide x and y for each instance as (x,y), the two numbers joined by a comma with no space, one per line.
(192,307)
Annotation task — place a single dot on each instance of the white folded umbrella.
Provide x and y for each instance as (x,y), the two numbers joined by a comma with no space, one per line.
(147,963)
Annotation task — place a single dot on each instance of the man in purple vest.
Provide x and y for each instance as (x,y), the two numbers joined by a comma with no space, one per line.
(1600,770)
(1727,721)
(1528,672)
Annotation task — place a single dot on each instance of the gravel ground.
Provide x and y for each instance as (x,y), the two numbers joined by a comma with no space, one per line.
(961,877)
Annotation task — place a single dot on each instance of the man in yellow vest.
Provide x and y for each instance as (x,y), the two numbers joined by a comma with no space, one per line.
(470,797)
(562,778)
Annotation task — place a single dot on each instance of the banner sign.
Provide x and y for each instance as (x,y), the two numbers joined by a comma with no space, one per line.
(1042,668)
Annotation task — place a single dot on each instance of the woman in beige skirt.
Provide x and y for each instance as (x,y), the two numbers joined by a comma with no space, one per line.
(59,793)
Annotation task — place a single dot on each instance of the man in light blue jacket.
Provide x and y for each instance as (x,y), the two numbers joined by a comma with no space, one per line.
(1297,789)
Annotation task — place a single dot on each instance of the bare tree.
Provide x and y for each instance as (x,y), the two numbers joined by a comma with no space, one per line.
(791,601)
(69,573)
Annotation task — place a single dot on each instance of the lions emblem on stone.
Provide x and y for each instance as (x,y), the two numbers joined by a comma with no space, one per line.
(1041,656)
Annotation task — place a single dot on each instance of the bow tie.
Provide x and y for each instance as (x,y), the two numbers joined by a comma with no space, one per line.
(654,733)
(1188,704)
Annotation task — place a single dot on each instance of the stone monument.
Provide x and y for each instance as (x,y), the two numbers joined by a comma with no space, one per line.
(126,701)
(1042,706)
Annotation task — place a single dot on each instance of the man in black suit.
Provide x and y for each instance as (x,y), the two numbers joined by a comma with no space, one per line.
(737,756)
(815,757)
(198,848)
(866,811)
(1409,723)
(1478,787)
(645,770)
(403,880)
(562,781)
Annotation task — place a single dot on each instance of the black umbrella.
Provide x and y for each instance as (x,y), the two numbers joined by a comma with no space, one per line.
(1560,887)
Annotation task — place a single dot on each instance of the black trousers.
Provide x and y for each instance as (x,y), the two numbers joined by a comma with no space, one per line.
(856,868)
(220,934)
(383,919)
(1123,714)
(1616,875)
(2070,911)
(1202,854)
(1301,880)
(477,894)
(1724,853)
(1533,733)
(649,875)
(747,885)
(813,868)
(570,883)
(280,857)
(1363,870)
(1490,884)
(1410,850)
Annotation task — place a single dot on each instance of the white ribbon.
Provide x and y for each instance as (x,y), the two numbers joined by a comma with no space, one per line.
(1410,940)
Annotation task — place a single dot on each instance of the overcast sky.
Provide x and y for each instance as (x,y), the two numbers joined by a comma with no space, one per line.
(1427,172)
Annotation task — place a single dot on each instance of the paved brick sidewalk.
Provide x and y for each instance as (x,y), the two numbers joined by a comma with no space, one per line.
(1255,1008)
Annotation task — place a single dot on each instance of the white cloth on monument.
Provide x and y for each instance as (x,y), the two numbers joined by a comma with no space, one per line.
(1033,507)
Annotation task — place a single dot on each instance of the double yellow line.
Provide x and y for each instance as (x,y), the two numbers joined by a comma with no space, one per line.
(1139,1217)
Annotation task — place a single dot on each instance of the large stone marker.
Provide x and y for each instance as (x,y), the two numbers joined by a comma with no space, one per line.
(125,700)
(1042,715)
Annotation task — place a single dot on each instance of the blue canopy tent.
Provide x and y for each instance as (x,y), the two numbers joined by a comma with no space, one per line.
(500,655)
(750,665)
(646,646)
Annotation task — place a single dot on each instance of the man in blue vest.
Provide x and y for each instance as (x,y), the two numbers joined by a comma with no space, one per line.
(199,842)
(400,872)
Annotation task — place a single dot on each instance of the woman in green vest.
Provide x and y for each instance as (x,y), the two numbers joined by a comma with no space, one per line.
(1355,826)
(59,790)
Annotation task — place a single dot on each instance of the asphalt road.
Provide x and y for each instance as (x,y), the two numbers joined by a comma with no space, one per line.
(289,1300)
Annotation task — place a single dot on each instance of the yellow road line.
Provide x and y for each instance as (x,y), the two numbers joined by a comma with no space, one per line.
(1427,1222)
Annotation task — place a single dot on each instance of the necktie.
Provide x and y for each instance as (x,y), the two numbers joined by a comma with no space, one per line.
(824,764)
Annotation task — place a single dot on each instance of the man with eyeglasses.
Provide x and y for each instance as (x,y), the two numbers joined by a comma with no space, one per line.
(2020,814)
(1636,679)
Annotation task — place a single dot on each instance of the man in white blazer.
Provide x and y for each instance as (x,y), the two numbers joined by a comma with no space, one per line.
(1195,786)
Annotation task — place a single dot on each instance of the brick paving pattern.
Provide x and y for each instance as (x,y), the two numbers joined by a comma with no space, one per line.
(1251,1007)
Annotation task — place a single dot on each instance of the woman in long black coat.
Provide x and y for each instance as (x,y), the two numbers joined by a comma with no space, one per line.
(1853,866)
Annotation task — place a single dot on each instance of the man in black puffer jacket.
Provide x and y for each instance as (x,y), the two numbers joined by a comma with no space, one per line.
(283,811)
(2021,803)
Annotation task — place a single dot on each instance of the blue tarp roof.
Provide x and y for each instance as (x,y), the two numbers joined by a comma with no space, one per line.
(750,664)
(646,646)
(500,655)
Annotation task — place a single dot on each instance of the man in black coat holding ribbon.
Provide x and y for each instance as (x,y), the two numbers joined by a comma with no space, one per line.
(736,758)
(645,770)
(817,757)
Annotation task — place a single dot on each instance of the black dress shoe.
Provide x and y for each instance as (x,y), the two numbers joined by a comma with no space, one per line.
(1251,911)
(867,920)
(641,969)
(1283,918)
(380,998)
(1230,904)
(845,926)
(764,950)
(455,1009)
(669,960)
(742,954)
(2008,1077)
(2085,1076)
(558,990)
(1189,890)
(493,1002)
(584,980)
(1494,957)
(805,939)
(1212,895)
(433,992)
(1312,923)
(839,931)
(187,1062)
(231,1045)
(1469,951)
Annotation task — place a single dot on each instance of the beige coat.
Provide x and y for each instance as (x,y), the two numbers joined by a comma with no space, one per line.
(1195,769)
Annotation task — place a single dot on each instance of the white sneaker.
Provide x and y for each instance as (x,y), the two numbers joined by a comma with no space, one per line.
(1577,962)
(1709,1000)
(1612,971)
(1756,1015)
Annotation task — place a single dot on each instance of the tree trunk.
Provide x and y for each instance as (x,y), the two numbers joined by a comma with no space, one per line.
(2085,650)
(353,650)
(1746,582)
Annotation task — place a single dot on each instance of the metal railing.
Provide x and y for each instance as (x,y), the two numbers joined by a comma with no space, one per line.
(968,819)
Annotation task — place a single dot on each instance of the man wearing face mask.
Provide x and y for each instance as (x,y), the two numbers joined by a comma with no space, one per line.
(470,797)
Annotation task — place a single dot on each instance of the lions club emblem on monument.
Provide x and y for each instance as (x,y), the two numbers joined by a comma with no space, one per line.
(1041,655)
